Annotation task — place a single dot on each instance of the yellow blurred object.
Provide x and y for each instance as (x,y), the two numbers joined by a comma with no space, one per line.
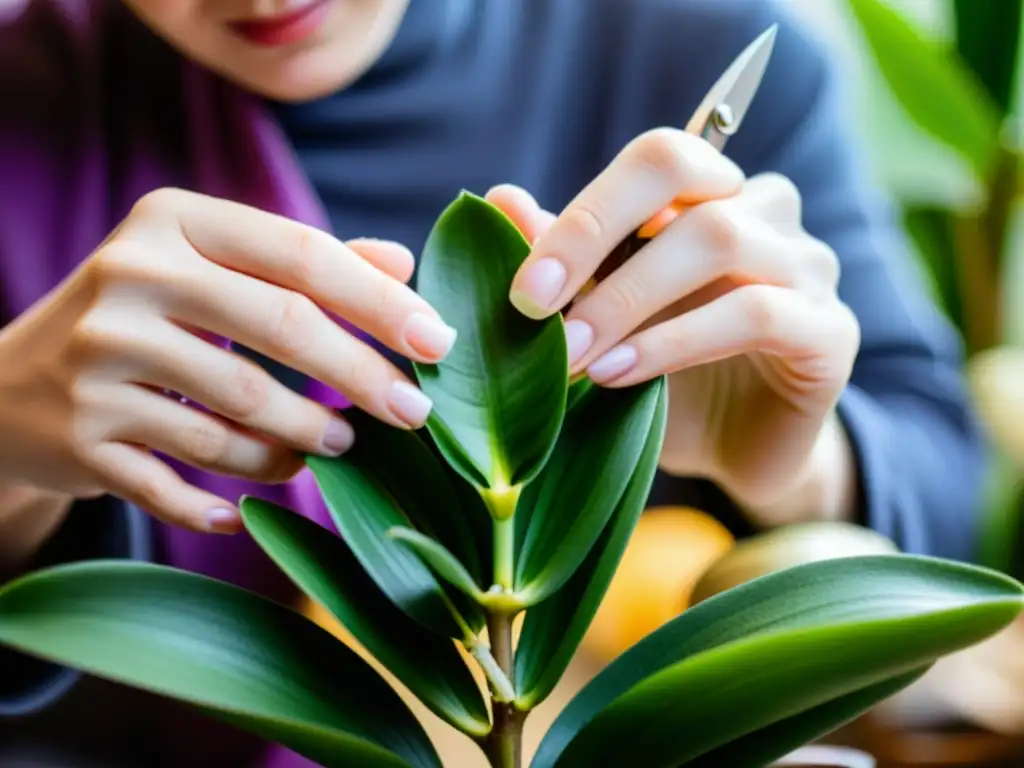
(669,550)
(786,547)
(997,383)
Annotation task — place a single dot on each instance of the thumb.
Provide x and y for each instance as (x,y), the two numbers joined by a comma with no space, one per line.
(519,205)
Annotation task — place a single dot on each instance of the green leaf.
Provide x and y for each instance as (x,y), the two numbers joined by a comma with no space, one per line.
(762,747)
(933,88)
(323,567)
(767,651)
(236,655)
(553,630)
(391,478)
(988,36)
(438,559)
(499,396)
(932,232)
(572,500)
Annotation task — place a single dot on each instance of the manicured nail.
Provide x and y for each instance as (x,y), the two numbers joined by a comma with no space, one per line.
(612,364)
(429,336)
(409,404)
(578,338)
(538,288)
(338,437)
(223,520)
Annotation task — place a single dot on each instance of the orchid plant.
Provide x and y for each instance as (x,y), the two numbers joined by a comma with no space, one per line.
(514,503)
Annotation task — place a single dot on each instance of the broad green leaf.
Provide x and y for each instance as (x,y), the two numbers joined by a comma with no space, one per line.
(438,559)
(552,631)
(988,36)
(500,394)
(233,654)
(762,747)
(390,478)
(774,648)
(571,501)
(323,567)
(934,89)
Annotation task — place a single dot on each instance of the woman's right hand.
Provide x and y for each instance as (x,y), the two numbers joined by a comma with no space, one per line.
(83,372)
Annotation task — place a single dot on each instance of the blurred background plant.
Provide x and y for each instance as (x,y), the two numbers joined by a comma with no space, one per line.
(955,167)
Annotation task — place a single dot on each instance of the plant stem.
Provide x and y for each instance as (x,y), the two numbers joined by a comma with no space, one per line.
(504,745)
(504,553)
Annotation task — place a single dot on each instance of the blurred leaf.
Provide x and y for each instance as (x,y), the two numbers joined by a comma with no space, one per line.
(761,747)
(573,498)
(937,93)
(499,396)
(233,654)
(323,567)
(553,630)
(774,648)
(438,559)
(931,230)
(390,478)
(988,40)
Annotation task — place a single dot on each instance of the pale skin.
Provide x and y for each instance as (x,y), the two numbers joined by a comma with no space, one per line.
(734,300)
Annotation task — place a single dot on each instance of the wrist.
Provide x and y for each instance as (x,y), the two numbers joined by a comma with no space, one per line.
(28,517)
(825,490)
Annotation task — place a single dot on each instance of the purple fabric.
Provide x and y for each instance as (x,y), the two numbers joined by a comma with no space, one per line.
(234,150)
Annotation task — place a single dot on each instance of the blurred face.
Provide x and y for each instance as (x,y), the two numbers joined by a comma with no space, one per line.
(289,50)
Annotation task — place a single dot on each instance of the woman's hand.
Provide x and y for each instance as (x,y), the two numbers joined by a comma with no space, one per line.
(83,373)
(733,299)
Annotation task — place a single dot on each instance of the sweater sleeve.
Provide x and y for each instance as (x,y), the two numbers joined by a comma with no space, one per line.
(103,528)
(918,446)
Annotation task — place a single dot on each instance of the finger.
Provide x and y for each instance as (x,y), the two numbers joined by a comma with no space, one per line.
(200,439)
(390,258)
(524,211)
(139,477)
(652,171)
(161,354)
(781,322)
(307,261)
(289,328)
(709,242)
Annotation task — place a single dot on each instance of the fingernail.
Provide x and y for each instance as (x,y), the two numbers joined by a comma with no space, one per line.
(578,338)
(338,437)
(612,364)
(409,404)
(429,336)
(538,288)
(223,520)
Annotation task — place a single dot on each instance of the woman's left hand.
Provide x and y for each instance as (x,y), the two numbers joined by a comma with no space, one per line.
(733,299)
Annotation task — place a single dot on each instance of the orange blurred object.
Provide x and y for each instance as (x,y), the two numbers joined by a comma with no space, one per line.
(669,550)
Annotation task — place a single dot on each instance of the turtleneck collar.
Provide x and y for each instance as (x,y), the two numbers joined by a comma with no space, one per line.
(428,28)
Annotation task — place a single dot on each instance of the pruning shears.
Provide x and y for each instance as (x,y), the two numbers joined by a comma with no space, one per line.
(716,120)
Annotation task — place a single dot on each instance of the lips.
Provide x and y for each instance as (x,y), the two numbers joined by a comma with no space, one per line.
(284,29)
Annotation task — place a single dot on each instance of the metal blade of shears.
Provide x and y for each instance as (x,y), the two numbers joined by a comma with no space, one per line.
(721,112)
(718,117)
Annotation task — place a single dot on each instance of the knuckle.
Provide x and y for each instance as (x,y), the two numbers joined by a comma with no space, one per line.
(585,221)
(665,152)
(117,262)
(760,309)
(292,325)
(717,222)
(93,337)
(626,298)
(152,492)
(826,264)
(159,204)
(249,393)
(207,444)
(308,263)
